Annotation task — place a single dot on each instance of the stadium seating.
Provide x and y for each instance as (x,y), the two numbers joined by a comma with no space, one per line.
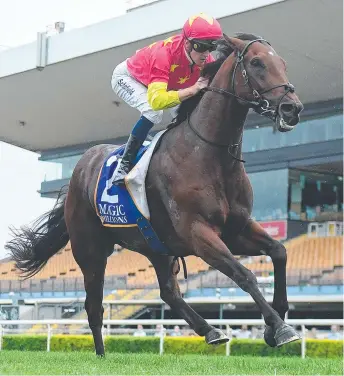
(307,255)
(134,266)
(311,257)
(311,261)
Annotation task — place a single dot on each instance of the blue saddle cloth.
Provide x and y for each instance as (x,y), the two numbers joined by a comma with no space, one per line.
(115,205)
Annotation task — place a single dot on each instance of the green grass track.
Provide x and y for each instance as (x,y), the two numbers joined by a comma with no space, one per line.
(75,363)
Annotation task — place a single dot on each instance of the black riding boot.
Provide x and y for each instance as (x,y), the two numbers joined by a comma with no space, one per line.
(126,162)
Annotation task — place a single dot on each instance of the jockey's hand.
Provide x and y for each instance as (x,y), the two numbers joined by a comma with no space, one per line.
(189,92)
(201,83)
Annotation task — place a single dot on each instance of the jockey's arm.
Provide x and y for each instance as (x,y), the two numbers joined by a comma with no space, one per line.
(159,98)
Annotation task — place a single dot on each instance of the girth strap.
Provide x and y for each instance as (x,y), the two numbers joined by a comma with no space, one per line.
(176,260)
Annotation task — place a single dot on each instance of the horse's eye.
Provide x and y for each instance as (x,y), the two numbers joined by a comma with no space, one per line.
(255,62)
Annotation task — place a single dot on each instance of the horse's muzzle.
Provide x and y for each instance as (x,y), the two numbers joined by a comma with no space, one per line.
(288,115)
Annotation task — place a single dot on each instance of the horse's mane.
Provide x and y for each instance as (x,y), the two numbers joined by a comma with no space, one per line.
(223,50)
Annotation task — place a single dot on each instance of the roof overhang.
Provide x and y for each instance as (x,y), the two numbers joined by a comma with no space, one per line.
(70,102)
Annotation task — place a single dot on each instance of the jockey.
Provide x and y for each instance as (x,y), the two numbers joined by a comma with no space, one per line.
(161,76)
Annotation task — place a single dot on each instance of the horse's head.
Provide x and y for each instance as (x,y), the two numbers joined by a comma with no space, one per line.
(259,79)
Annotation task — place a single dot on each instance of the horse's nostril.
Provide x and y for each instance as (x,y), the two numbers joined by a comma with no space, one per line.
(287,107)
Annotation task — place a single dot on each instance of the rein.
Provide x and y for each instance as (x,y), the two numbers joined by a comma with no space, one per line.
(217,144)
(260,105)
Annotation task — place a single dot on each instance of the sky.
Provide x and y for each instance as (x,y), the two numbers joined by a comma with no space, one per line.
(20,171)
(20,177)
(20,20)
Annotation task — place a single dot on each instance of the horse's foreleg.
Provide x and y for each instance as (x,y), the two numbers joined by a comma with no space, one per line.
(208,245)
(255,241)
(170,293)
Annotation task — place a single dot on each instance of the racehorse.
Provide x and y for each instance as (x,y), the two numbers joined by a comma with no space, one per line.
(199,195)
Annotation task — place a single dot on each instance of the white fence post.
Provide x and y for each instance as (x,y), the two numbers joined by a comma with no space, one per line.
(49,337)
(303,342)
(225,322)
(228,344)
(161,344)
(1,335)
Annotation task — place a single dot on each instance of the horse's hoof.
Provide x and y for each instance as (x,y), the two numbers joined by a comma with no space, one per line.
(269,337)
(100,356)
(285,334)
(216,337)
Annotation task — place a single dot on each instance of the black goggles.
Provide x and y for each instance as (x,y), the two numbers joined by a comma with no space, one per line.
(203,46)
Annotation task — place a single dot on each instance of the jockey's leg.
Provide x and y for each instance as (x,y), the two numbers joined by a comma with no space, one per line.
(135,141)
(135,95)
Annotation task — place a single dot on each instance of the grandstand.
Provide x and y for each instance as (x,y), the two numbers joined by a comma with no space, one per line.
(135,269)
(309,259)
(315,266)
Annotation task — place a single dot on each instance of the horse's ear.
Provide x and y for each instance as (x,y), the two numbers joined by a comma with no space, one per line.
(235,43)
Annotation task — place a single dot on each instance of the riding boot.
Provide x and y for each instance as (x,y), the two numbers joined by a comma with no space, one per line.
(125,164)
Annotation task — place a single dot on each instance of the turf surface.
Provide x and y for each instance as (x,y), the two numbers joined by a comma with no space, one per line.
(76,363)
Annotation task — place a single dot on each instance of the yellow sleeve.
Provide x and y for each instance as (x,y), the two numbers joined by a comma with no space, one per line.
(159,98)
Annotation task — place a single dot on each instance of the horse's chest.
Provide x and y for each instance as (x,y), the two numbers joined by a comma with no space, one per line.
(205,200)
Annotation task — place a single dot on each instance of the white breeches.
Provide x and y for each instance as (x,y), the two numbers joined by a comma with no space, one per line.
(135,94)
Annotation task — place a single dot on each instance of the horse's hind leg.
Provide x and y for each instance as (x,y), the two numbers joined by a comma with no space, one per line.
(170,293)
(90,250)
(94,282)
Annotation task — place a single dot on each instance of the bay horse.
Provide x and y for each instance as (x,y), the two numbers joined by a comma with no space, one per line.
(199,195)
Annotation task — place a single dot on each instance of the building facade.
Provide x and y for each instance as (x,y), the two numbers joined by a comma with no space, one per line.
(296,176)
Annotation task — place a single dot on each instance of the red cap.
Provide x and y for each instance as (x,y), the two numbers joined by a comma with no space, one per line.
(202,26)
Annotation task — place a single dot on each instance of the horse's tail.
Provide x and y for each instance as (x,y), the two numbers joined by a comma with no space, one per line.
(32,247)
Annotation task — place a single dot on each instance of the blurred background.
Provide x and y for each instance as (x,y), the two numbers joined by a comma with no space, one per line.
(56,101)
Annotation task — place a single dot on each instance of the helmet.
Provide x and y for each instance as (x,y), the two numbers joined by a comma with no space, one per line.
(202,26)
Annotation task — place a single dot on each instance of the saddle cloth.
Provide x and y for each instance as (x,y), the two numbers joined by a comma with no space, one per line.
(123,205)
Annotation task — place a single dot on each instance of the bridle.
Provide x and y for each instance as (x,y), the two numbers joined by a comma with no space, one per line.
(260,105)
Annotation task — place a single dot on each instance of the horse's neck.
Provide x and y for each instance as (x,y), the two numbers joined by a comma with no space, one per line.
(220,118)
